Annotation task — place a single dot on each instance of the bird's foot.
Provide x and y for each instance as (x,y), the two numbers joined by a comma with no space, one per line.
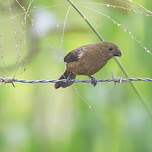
(68,79)
(93,81)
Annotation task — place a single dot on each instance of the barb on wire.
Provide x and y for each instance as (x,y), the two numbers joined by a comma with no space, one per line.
(113,79)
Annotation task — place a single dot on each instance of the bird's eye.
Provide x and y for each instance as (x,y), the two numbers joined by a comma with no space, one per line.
(110,49)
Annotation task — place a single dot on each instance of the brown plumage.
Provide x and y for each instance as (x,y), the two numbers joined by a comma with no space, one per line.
(87,60)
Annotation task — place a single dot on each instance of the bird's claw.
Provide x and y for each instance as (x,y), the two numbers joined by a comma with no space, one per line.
(68,80)
(93,81)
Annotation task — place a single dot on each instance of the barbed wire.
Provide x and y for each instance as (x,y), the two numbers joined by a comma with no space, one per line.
(113,79)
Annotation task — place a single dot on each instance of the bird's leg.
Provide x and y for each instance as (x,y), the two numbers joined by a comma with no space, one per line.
(93,81)
(68,78)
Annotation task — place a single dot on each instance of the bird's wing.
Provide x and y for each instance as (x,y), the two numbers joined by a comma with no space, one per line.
(73,55)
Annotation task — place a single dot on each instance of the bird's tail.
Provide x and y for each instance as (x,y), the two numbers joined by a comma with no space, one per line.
(66,75)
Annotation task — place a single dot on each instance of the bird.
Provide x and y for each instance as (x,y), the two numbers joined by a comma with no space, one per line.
(87,60)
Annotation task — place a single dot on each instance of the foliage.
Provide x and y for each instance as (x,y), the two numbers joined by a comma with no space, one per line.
(81,117)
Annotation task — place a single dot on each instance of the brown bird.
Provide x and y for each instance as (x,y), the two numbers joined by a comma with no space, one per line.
(87,60)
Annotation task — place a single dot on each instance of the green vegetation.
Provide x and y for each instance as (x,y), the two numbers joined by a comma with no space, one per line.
(81,118)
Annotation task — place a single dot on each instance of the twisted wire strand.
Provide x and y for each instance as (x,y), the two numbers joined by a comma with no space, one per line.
(119,80)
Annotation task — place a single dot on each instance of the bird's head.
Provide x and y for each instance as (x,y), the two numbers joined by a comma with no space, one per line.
(109,49)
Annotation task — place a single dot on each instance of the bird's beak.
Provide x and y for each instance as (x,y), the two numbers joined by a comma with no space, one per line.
(117,53)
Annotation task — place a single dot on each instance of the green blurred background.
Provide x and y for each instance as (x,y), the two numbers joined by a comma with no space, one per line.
(34,38)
